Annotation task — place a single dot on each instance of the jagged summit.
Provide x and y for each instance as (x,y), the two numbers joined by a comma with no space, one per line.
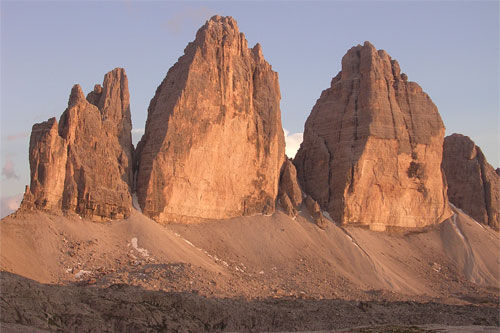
(213,144)
(372,147)
(364,58)
(83,164)
(76,96)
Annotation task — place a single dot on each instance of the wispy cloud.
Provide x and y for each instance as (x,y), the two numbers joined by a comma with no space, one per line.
(17,136)
(8,170)
(138,131)
(187,17)
(292,141)
(10,204)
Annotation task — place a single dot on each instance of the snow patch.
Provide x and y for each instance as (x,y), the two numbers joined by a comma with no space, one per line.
(327,215)
(135,202)
(455,226)
(81,273)
(352,240)
(142,251)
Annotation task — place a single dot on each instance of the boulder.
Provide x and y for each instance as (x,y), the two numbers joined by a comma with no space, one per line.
(287,205)
(315,210)
(372,147)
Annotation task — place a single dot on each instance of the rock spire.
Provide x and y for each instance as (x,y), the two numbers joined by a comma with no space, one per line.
(213,143)
(83,164)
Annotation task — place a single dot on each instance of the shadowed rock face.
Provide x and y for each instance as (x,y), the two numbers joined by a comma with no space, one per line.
(373,145)
(473,184)
(213,144)
(84,163)
(290,194)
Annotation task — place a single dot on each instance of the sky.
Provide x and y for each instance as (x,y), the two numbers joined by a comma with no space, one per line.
(450,48)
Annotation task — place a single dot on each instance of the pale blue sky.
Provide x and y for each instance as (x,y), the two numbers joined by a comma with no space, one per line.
(450,48)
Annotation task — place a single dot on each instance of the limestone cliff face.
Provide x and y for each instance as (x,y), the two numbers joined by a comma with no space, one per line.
(473,184)
(84,163)
(373,145)
(213,144)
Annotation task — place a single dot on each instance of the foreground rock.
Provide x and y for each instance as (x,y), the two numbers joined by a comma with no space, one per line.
(83,164)
(213,144)
(290,194)
(26,304)
(473,184)
(373,146)
(315,210)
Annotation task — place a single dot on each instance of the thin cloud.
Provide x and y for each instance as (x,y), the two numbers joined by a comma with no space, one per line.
(138,131)
(10,204)
(8,170)
(187,17)
(17,136)
(292,141)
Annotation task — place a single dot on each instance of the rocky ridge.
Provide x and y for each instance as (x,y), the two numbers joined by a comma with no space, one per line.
(372,147)
(473,184)
(213,144)
(214,147)
(83,164)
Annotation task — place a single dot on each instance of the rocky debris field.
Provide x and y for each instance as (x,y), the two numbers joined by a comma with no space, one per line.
(126,308)
(261,273)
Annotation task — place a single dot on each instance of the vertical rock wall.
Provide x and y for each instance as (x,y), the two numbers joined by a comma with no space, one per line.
(213,144)
(83,163)
(373,145)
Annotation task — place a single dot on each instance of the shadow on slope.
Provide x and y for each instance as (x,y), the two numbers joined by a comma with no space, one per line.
(123,308)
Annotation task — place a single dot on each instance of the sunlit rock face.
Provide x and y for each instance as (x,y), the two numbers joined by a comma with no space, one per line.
(83,164)
(213,143)
(373,146)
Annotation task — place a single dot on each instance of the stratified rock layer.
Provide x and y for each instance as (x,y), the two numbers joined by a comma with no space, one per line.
(213,144)
(84,163)
(473,184)
(373,145)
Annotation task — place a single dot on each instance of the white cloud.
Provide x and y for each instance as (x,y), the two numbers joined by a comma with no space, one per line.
(292,141)
(8,169)
(138,131)
(9,205)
